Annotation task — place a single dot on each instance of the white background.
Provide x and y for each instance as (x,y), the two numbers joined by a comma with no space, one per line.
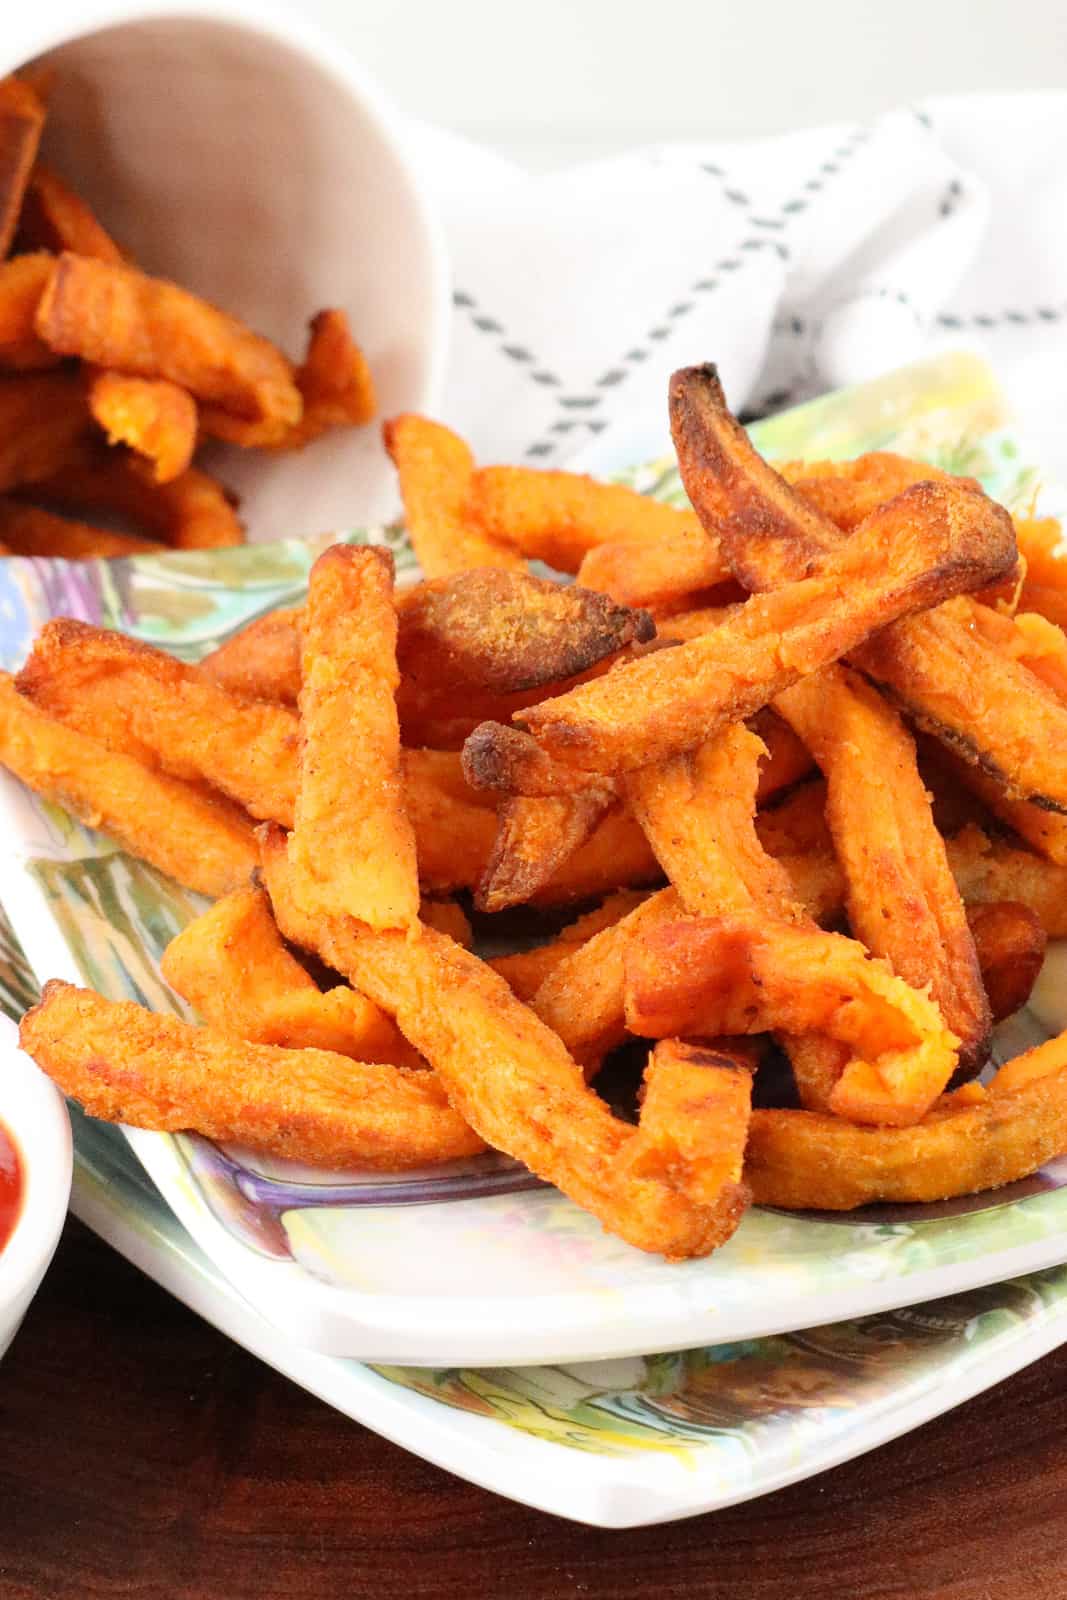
(549,80)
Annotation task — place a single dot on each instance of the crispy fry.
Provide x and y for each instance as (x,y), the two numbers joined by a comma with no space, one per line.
(232,965)
(616,853)
(526,970)
(943,540)
(125,1064)
(746,973)
(992,870)
(54,218)
(1041,546)
(535,836)
(1044,830)
(454,829)
(902,899)
(352,847)
(695,1105)
(845,492)
(21,120)
(261,661)
(435,468)
(193,512)
(44,417)
(151,415)
(22,283)
(114,316)
(559,517)
(800,1160)
(512,1079)
(511,761)
(28,531)
(192,835)
(447,916)
(646,574)
(786,758)
(1010,943)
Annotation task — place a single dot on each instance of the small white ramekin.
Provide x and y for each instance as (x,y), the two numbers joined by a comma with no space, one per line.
(232,146)
(34,1115)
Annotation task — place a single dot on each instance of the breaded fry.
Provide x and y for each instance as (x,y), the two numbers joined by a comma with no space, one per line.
(447,916)
(559,517)
(151,415)
(535,836)
(511,1077)
(695,1105)
(992,870)
(967,1143)
(903,903)
(435,468)
(943,540)
(28,531)
(191,834)
(125,1064)
(745,973)
(44,417)
(261,661)
(193,512)
(352,847)
(645,574)
(22,283)
(116,317)
(526,970)
(1010,943)
(21,120)
(54,218)
(845,492)
(232,965)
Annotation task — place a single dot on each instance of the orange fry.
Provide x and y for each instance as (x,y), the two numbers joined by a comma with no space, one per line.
(54,218)
(535,836)
(992,870)
(151,415)
(193,512)
(845,492)
(646,574)
(28,531)
(125,1064)
(21,120)
(435,467)
(44,417)
(1010,943)
(22,283)
(696,1100)
(117,317)
(352,847)
(526,970)
(261,661)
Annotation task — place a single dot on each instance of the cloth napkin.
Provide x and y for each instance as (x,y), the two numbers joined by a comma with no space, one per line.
(798,263)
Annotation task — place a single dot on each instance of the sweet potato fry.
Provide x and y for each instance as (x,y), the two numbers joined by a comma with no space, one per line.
(151,415)
(22,283)
(435,468)
(646,574)
(511,1078)
(615,854)
(992,870)
(695,1105)
(786,758)
(28,531)
(903,903)
(125,1064)
(44,417)
(191,834)
(1010,943)
(559,517)
(535,836)
(454,828)
(116,317)
(845,492)
(261,661)
(232,965)
(801,1160)
(193,512)
(21,120)
(526,970)
(447,916)
(54,218)
(943,540)
(745,973)
(1044,830)
(352,847)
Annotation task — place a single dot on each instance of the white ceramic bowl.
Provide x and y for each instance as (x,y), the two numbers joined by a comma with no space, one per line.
(34,1115)
(231,146)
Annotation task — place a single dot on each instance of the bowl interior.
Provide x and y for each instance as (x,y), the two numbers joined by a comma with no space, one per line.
(34,1115)
(252,168)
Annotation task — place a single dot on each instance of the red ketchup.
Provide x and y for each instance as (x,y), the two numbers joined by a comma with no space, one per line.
(10,1186)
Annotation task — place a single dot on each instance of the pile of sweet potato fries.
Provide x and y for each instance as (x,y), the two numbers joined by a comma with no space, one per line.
(110,379)
(799,745)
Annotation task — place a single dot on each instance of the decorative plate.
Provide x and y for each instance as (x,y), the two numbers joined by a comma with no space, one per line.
(472,1264)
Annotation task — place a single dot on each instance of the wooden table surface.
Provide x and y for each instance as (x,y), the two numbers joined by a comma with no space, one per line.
(142,1454)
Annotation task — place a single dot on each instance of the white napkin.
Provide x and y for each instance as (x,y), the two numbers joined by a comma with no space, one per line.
(797,263)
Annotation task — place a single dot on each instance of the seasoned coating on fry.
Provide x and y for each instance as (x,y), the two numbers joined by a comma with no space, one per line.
(447,916)
(151,415)
(510,1077)
(696,1100)
(435,468)
(746,973)
(498,757)
(44,417)
(139,700)
(261,661)
(615,853)
(191,834)
(54,218)
(1011,944)
(125,1064)
(535,836)
(903,903)
(192,512)
(22,283)
(454,828)
(992,870)
(645,574)
(786,758)
(352,847)
(559,517)
(21,120)
(968,1143)
(845,492)
(232,966)
(526,970)
(943,540)
(29,531)
(114,316)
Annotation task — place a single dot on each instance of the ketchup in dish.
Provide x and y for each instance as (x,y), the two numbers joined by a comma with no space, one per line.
(10,1186)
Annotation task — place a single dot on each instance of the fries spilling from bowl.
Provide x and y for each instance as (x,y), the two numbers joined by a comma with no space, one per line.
(777,786)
